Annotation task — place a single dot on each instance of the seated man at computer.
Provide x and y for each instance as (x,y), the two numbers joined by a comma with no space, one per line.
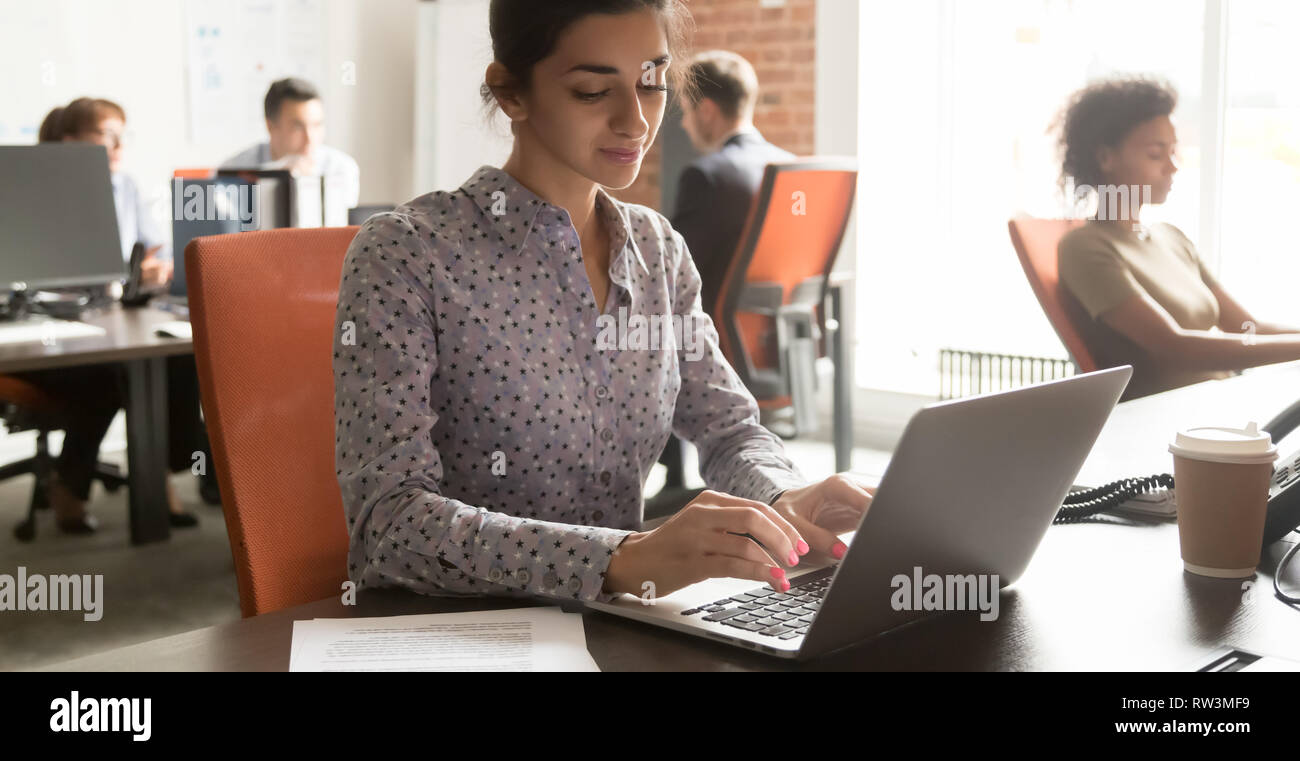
(295,123)
(716,190)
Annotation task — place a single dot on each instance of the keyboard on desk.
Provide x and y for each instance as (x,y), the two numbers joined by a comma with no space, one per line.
(784,615)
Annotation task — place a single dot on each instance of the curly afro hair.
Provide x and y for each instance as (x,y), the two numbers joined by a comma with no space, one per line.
(1103,114)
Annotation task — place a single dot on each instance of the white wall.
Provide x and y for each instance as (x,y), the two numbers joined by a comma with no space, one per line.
(454,139)
(135,53)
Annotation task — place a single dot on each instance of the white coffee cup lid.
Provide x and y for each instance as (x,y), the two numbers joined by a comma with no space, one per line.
(1245,446)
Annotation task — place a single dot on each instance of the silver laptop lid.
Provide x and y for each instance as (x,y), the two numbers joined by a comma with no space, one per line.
(970,490)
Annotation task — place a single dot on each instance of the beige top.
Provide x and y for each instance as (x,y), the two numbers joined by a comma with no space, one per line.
(1103,265)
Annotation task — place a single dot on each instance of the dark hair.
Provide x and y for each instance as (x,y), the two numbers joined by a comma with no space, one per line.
(80,116)
(525,31)
(292,88)
(1103,114)
(727,79)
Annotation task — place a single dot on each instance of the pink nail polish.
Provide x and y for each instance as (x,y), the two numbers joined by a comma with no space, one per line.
(793,559)
(785,586)
(777,573)
(802,547)
(839,549)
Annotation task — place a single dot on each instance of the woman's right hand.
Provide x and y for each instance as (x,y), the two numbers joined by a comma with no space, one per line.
(700,542)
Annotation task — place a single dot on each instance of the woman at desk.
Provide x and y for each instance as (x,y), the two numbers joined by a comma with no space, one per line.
(1152,301)
(489,438)
(92,393)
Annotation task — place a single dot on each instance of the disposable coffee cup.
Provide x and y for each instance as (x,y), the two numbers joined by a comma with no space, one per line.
(1221,480)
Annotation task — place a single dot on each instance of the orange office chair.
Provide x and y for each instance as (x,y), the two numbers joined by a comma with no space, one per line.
(1036,241)
(777,280)
(262,305)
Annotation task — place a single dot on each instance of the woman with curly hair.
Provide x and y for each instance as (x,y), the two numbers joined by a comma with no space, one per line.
(1152,301)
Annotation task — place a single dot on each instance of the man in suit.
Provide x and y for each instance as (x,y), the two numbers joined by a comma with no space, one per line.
(716,190)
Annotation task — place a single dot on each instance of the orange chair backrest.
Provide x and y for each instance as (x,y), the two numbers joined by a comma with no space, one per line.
(263,309)
(793,233)
(1036,241)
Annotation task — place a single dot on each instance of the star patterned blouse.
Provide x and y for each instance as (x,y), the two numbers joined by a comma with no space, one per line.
(487,440)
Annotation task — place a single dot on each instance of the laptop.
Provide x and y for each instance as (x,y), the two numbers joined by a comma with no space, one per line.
(968,494)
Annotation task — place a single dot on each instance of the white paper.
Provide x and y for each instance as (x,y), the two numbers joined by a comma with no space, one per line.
(516,639)
(47,332)
(175,329)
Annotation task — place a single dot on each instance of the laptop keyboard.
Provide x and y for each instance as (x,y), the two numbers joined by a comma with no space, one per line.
(783,615)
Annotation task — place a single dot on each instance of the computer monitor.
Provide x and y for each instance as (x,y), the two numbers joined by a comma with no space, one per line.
(58,227)
(207,206)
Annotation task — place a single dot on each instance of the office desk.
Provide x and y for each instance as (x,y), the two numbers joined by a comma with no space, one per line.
(1108,594)
(129,339)
(1135,441)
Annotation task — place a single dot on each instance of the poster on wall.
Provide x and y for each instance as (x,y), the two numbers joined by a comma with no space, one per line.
(235,50)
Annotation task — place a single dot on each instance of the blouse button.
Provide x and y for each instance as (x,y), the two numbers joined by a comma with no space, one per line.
(607,435)
(598,515)
(602,391)
(550,579)
(523,575)
(495,574)
(575,584)
(606,477)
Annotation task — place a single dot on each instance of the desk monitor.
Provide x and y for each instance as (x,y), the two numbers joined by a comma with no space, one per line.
(275,189)
(58,226)
(312,200)
(216,206)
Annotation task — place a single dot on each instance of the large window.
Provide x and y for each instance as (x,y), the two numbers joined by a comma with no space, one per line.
(1259,259)
(959,97)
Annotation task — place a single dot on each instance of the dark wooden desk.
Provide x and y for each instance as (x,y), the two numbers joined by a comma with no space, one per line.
(129,339)
(1104,595)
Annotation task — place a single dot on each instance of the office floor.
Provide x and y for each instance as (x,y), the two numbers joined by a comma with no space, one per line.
(185,583)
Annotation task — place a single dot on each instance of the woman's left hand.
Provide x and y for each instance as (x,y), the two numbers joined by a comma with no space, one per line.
(822,511)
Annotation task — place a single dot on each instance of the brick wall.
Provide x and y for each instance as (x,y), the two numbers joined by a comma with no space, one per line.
(780,43)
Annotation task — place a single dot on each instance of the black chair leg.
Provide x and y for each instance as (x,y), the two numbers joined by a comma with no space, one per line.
(40,467)
(19,468)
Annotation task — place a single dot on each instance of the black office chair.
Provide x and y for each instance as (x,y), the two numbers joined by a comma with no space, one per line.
(25,406)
